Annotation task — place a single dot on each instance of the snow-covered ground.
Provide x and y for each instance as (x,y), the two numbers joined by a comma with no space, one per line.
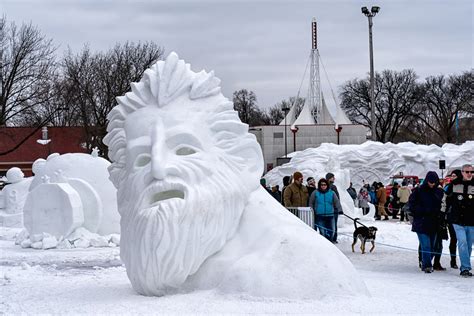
(93,281)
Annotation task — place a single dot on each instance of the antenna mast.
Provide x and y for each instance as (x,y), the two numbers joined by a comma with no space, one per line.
(314,79)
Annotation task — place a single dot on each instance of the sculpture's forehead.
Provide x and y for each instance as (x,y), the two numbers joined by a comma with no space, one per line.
(141,122)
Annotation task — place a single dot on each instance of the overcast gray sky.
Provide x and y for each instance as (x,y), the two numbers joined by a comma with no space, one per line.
(263,46)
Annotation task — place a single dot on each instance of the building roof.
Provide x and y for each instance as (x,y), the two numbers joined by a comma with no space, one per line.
(63,140)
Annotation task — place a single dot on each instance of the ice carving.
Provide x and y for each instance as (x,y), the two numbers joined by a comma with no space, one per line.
(193,215)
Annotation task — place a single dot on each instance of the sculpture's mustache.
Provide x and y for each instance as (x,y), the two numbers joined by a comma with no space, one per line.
(161,191)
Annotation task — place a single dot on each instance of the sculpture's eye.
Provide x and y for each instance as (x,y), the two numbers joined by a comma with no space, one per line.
(142,160)
(185,151)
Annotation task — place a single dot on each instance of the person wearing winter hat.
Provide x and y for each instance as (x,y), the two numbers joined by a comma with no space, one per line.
(323,202)
(425,203)
(337,210)
(296,194)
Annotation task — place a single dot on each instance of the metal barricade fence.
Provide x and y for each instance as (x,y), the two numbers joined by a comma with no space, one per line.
(304,213)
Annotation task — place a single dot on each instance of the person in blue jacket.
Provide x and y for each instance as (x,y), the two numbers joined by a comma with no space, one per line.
(325,204)
(425,204)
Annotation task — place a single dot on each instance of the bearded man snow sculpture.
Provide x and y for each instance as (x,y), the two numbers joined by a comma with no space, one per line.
(193,215)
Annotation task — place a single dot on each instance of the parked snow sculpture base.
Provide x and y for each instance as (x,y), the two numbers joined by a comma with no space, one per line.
(193,213)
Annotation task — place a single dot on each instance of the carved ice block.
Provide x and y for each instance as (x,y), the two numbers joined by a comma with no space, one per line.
(53,208)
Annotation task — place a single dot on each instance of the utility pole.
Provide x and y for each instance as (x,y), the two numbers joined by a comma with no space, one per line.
(370,14)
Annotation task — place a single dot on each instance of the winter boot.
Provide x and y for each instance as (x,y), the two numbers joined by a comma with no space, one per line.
(437,264)
(438,267)
(453,262)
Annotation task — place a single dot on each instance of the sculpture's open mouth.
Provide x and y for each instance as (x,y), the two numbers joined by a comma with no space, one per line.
(166,195)
(163,192)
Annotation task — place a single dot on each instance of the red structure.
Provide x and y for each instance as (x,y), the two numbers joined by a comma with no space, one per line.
(63,140)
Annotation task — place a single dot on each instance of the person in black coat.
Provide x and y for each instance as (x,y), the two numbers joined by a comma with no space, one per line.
(425,204)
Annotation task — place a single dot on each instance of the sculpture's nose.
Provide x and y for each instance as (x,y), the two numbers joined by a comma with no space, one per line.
(158,153)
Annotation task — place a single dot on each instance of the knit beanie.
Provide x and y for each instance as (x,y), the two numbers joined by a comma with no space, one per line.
(297,175)
(329,175)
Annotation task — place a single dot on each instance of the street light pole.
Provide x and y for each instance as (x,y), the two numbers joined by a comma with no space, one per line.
(285,110)
(370,14)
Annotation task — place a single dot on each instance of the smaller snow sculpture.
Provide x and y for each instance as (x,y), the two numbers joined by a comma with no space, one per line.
(88,176)
(66,203)
(14,197)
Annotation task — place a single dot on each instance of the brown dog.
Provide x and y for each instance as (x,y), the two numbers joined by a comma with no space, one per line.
(365,234)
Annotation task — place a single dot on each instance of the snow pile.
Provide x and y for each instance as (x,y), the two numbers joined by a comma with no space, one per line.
(79,238)
(373,161)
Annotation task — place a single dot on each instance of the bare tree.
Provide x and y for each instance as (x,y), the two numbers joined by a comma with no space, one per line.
(275,113)
(444,98)
(396,96)
(92,82)
(245,103)
(27,65)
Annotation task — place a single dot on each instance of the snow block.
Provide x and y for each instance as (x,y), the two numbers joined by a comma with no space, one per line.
(53,208)
(50,242)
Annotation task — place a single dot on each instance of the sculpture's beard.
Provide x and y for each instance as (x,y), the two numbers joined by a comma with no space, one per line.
(168,231)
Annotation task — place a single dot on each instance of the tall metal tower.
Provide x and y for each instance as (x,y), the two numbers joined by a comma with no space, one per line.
(314,79)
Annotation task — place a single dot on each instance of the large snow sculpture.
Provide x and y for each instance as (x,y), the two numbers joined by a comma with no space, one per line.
(193,215)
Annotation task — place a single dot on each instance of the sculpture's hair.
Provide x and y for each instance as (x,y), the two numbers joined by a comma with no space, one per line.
(163,83)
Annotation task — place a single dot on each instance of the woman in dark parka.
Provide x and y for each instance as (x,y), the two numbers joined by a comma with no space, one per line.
(425,204)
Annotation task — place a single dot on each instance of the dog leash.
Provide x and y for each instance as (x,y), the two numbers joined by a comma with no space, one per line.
(354,219)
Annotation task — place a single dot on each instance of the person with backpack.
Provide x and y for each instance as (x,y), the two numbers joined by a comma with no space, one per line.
(425,204)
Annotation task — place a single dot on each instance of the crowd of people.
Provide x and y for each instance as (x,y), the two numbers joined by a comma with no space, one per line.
(322,197)
(437,213)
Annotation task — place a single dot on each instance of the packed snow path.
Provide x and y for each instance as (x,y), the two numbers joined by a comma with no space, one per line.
(94,281)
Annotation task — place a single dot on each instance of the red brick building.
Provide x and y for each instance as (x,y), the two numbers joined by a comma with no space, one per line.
(63,140)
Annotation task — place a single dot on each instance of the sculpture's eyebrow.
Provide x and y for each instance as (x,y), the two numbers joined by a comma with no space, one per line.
(142,141)
(183,138)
